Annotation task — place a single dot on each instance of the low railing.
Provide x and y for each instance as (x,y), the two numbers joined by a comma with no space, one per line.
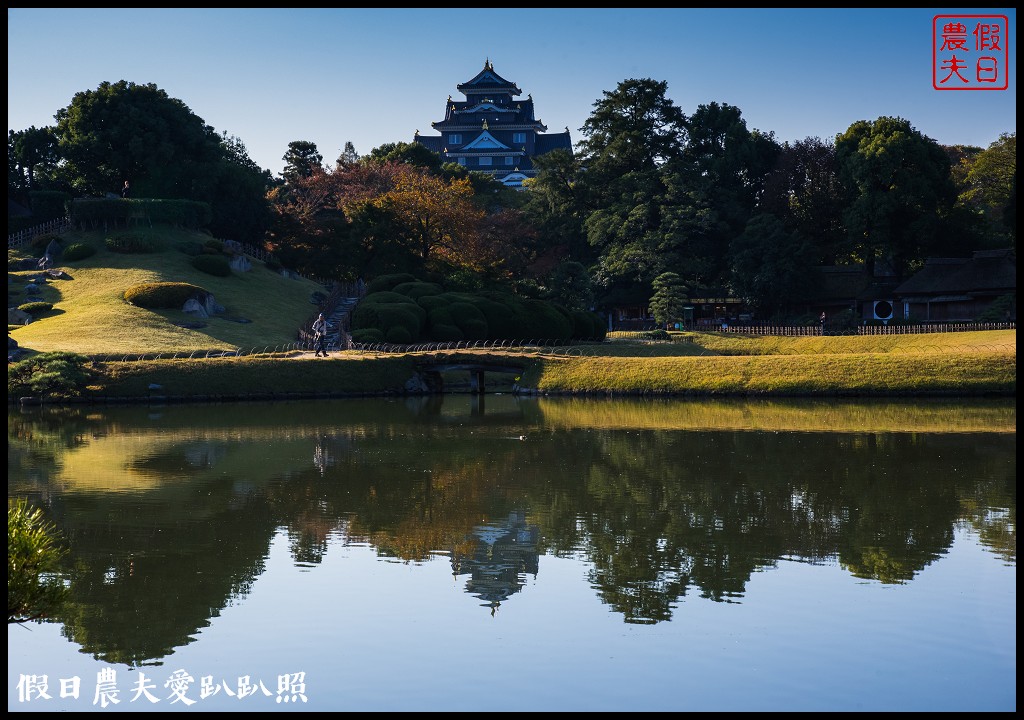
(894,329)
(21,237)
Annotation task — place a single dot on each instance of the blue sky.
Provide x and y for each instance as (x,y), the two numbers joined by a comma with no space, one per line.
(373,76)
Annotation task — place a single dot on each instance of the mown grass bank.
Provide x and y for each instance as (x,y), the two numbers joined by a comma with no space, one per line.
(965,369)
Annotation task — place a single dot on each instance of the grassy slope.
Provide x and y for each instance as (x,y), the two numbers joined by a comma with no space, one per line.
(91,317)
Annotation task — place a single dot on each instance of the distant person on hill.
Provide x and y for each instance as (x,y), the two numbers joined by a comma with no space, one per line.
(320,336)
(126,191)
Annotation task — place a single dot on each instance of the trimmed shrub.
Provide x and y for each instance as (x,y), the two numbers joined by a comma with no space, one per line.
(215,245)
(431,302)
(163,295)
(546,321)
(129,243)
(217,265)
(78,251)
(388,282)
(192,248)
(446,333)
(36,308)
(416,290)
(469,319)
(399,335)
(367,336)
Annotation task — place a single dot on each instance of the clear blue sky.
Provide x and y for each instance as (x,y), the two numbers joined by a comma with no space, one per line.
(373,76)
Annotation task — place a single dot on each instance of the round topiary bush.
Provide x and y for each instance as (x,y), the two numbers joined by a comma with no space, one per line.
(163,295)
(36,308)
(217,265)
(78,251)
(192,248)
(367,336)
(129,243)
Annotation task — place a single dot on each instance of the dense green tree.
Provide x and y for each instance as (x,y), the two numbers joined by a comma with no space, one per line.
(770,265)
(804,191)
(989,186)
(633,128)
(900,188)
(415,154)
(570,285)
(34,152)
(669,299)
(723,170)
(301,160)
(555,204)
(125,131)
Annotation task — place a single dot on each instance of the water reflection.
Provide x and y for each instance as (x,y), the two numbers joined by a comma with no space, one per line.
(171,511)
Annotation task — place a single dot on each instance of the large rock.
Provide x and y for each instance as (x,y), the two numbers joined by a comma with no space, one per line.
(202,307)
(240,263)
(194,307)
(18,317)
(234,247)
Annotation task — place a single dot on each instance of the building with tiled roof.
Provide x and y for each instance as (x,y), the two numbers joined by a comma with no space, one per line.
(492,131)
(952,289)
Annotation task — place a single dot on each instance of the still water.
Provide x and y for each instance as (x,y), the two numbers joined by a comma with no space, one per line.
(497,553)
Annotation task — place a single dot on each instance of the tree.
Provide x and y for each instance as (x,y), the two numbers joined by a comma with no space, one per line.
(415,154)
(770,265)
(435,217)
(301,160)
(669,299)
(633,128)
(348,156)
(34,151)
(990,184)
(125,131)
(899,186)
(804,191)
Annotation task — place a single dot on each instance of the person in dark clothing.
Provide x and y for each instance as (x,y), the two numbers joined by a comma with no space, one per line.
(320,336)
(126,191)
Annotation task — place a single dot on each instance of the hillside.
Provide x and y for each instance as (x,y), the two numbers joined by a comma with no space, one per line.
(90,316)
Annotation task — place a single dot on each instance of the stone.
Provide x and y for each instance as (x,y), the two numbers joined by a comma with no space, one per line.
(194,307)
(18,317)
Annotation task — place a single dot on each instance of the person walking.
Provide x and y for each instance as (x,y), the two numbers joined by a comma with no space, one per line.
(320,336)
(126,191)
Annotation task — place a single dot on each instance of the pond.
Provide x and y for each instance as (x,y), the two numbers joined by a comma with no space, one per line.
(497,553)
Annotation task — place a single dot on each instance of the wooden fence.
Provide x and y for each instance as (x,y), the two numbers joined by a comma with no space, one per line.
(18,239)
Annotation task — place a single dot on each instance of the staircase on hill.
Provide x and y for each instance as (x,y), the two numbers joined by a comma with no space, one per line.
(337,324)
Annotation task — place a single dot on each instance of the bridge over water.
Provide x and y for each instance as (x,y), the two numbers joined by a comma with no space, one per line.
(432,373)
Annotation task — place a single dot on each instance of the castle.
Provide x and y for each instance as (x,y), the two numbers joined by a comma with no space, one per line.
(490,131)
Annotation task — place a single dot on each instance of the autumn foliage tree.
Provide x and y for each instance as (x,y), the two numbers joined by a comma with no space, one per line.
(437,219)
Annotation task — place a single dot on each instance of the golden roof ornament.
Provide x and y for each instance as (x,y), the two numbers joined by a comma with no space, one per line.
(485,124)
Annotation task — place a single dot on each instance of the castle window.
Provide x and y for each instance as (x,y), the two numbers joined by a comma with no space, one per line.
(518,137)
(455,138)
(510,160)
(462,161)
(485,161)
